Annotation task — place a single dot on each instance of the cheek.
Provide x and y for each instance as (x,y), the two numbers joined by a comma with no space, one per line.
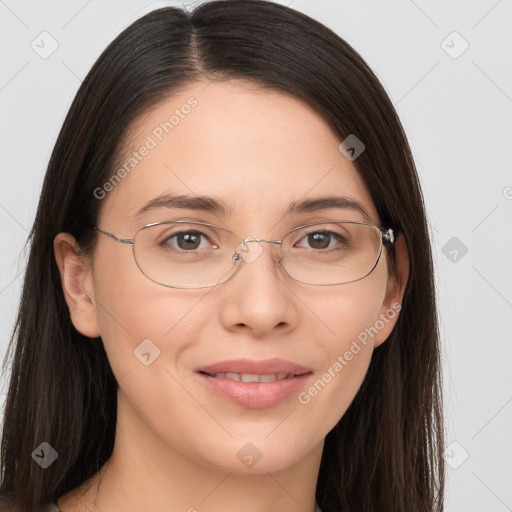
(146,330)
(140,321)
(349,317)
(348,310)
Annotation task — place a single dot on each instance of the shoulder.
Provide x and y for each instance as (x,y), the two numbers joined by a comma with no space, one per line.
(7,504)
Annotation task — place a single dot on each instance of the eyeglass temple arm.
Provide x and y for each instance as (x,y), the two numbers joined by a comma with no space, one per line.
(114,237)
(389,235)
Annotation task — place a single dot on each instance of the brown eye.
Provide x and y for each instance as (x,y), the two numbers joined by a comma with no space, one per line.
(184,240)
(322,240)
(319,240)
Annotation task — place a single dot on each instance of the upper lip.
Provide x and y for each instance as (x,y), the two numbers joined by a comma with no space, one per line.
(266,366)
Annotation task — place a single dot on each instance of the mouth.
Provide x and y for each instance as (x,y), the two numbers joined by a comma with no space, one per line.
(254,377)
(251,370)
(254,384)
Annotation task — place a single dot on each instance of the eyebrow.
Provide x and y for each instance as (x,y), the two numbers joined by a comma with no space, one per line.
(219,207)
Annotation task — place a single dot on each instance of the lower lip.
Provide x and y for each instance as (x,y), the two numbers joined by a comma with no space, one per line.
(255,395)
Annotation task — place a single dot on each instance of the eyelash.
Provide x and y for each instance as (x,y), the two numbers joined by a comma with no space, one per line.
(165,240)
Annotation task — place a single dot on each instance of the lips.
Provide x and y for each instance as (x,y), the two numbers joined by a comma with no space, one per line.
(255,384)
(252,377)
(279,367)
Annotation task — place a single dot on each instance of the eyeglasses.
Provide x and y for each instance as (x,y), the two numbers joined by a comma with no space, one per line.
(190,254)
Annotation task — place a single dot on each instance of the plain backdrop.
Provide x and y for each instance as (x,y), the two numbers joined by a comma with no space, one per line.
(447,66)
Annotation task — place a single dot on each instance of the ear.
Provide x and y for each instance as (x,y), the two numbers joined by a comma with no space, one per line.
(392,303)
(77,284)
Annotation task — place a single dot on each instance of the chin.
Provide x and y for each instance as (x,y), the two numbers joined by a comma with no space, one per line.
(262,455)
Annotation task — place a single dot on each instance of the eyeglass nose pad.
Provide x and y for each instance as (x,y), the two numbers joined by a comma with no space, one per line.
(248,252)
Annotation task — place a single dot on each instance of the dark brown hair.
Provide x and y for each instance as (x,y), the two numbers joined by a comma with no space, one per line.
(385,452)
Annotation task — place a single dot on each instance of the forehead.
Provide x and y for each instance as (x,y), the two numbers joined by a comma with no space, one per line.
(257,150)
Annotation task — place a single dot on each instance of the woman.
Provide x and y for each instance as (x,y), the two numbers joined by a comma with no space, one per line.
(229,301)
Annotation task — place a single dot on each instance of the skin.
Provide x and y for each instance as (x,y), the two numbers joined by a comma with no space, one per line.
(176,443)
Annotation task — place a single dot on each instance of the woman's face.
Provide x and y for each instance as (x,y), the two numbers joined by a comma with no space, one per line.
(255,151)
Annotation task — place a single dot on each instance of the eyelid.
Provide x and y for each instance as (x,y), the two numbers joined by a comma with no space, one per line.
(170,237)
(169,230)
(194,222)
(311,224)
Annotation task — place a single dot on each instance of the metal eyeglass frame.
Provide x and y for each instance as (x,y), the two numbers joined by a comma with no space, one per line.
(387,236)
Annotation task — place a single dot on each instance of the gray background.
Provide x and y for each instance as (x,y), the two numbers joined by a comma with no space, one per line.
(456,107)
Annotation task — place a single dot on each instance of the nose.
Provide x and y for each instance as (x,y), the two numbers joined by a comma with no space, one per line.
(258,298)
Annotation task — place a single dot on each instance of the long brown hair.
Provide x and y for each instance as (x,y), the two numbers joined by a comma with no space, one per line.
(385,452)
